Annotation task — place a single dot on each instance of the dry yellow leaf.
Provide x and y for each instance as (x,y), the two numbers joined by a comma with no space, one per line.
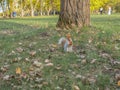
(119,83)
(76,87)
(54,45)
(18,70)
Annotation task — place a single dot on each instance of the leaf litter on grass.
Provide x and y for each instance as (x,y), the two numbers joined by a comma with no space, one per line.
(50,67)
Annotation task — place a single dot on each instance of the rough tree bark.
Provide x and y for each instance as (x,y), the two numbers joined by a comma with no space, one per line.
(74,13)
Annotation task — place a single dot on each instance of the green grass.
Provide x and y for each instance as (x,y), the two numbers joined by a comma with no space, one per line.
(85,67)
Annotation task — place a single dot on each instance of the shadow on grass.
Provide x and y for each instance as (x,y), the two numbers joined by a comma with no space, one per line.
(6,25)
(43,20)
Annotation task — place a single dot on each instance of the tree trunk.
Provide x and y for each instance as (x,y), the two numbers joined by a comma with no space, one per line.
(2,6)
(48,12)
(32,12)
(74,13)
(9,9)
(22,12)
(41,7)
(33,7)
(21,6)
(53,12)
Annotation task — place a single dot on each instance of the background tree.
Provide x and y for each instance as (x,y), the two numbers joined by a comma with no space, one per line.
(22,7)
(10,6)
(41,7)
(46,7)
(74,13)
(96,4)
(33,4)
(55,6)
(117,7)
(2,4)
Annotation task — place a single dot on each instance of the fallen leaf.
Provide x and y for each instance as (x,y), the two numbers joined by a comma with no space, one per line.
(24,75)
(19,49)
(14,60)
(79,76)
(20,43)
(82,56)
(47,60)
(93,61)
(84,61)
(31,45)
(38,74)
(117,76)
(31,68)
(49,64)
(45,83)
(13,52)
(53,45)
(4,68)
(38,80)
(19,58)
(32,53)
(76,87)
(52,49)
(92,80)
(107,88)
(58,67)
(58,88)
(37,64)
(82,78)
(103,31)
(32,74)
(6,77)
(27,59)
(18,70)
(118,83)
(116,62)
(90,40)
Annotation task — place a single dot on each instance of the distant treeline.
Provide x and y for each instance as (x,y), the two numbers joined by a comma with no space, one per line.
(13,8)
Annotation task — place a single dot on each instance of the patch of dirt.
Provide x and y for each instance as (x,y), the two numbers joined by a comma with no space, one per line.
(44,34)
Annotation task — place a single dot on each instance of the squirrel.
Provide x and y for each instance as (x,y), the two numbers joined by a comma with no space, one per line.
(66,43)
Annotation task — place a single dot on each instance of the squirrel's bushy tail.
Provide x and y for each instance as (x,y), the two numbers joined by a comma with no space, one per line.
(61,40)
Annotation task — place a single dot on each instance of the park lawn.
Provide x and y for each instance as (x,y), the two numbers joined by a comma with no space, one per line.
(31,45)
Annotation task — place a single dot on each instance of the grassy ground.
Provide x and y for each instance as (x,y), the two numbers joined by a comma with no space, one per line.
(31,45)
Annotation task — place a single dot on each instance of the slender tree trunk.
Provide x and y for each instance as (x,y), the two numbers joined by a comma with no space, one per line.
(3,9)
(22,11)
(41,7)
(41,12)
(53,12)
(32,12)
(9,9)
(74,13)
(33,7)
(48,12)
